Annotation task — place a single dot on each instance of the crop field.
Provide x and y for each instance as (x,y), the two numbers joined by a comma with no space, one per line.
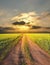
(25,49)
(7,41)
(43,40)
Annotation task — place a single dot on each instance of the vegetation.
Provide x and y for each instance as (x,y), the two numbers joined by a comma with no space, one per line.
(26,49)
(43,40)
(27,52)
(7,42)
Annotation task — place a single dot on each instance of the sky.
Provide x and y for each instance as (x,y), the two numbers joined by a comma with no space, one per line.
(9,9)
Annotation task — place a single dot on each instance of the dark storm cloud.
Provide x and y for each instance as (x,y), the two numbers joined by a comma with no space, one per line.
(6,28)
(19,23)
(36,27)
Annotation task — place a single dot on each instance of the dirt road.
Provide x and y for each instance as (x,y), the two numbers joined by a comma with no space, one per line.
(28,61)
(15,57)
(18,55)
(39,56)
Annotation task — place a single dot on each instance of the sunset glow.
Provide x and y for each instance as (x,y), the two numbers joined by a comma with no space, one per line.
(24,15)
(23,28)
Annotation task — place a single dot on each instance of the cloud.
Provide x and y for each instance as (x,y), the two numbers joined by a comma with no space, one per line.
(26,17)
(34,19)
(36,27)
(30,17)
(6,15)
(45,14)
(1,13)
(7,29)
(15,10)
(32,13)
(44,19)
(19,23)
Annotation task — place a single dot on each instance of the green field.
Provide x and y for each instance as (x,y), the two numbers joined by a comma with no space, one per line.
(7,42)
(43,40)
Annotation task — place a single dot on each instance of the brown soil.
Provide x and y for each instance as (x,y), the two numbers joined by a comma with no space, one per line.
(15,57)
(40,57)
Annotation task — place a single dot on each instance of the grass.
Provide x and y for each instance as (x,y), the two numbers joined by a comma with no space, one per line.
(7,42)
(43,40)
(26,49)
(27,52)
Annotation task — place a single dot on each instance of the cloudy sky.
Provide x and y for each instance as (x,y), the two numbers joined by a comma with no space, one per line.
(37,11)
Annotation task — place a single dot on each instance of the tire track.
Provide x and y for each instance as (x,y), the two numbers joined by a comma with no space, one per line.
(39,56)
(15,57)
(27,59)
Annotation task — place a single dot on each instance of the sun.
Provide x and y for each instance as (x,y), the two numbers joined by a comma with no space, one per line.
(23,28)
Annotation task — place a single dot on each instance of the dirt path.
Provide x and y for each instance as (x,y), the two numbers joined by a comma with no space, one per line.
(18,55)
(15,57)
(27,60)
(39,56)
